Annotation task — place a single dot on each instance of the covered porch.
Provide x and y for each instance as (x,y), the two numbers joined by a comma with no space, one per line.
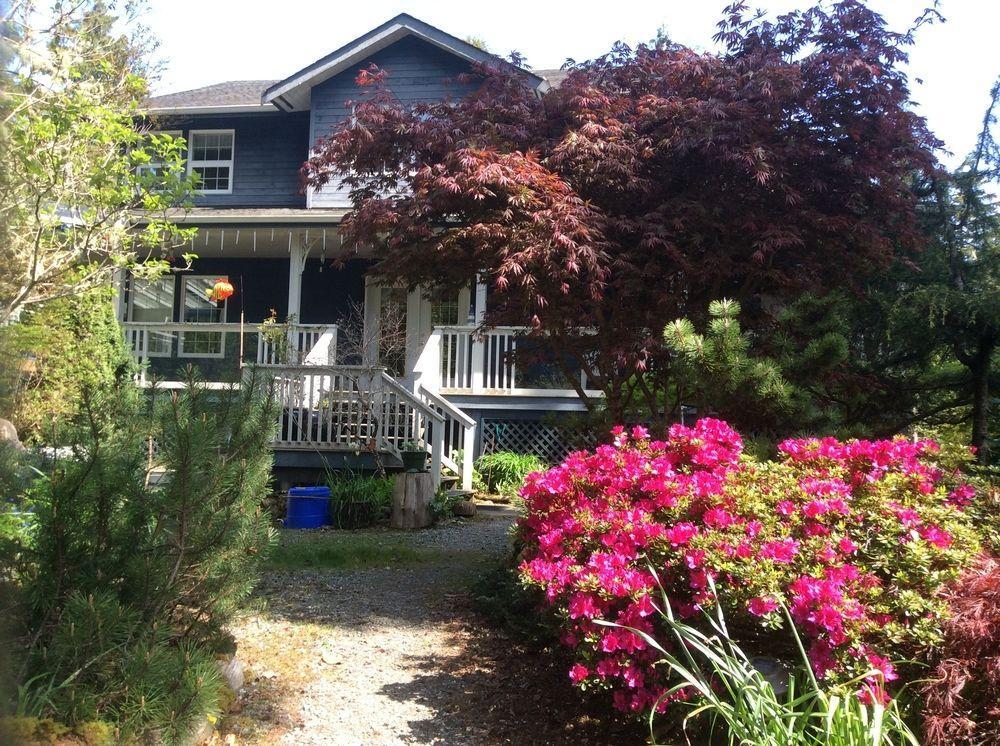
(358,367)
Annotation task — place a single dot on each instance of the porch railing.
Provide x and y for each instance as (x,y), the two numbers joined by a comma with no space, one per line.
(469,360)
(221,349)
(350,408)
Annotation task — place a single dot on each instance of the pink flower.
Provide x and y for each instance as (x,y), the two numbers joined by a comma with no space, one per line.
(936,536)
(680,533)
(847,546)
(908,517)
(962,495)
(718,518)
(578,673)
(583,605)
(883,666)
(872,693)
(694,558)
(762,605)
(782,551)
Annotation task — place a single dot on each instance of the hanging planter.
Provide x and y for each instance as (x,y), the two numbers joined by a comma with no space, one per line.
(221,290)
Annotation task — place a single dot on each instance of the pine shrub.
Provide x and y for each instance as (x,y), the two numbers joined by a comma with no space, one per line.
(132,579)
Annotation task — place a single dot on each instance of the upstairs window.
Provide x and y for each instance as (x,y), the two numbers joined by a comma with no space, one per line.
(210,155)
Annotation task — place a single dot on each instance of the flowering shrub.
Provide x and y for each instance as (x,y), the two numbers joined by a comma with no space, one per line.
(856,538)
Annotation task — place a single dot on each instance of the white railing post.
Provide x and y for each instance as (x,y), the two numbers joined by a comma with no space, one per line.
(468,445)
(478,362)
(437,450)
(427,368)
(143,354)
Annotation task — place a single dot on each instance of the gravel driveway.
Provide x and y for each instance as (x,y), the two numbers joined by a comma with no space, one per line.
(392,655)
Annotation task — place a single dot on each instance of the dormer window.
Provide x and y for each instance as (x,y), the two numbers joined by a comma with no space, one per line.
(210,155)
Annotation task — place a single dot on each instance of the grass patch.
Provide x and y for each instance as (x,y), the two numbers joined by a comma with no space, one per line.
(329,550)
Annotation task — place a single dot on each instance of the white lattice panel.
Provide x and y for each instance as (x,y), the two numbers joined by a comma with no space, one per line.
(550,443)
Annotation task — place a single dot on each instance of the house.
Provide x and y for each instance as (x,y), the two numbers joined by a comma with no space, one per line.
(361,369)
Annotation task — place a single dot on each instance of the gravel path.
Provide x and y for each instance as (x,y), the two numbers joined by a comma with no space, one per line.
(392,655)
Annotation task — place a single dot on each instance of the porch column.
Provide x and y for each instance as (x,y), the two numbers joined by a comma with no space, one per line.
(119,278)
(296,263)
(478,342)
(373,302)
(417,321)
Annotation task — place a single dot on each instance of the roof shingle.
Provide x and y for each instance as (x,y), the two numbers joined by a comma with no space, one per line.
(229,93)
(248,92)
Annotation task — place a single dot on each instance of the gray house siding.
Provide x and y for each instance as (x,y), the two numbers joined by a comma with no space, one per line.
(418,72)
(269,150)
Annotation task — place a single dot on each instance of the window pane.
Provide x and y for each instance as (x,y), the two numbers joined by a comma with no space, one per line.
(153,301)
(392,330)
(198,307)
(202,343)
(213,178)
(444,312)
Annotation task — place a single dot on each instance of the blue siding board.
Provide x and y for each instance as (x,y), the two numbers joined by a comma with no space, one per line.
(270,149)
(418,71)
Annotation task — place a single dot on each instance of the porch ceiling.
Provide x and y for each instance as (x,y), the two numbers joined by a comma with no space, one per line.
(266,241)
(236,216)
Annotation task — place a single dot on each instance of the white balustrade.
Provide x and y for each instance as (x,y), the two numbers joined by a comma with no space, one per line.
(353,408)
(284,344)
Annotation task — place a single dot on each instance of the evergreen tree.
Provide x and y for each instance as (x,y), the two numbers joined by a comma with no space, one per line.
(130,578)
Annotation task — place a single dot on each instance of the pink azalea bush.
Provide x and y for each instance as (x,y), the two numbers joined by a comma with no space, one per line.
(855,538)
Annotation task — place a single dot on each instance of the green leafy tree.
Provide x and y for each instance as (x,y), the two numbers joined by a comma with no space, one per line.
(61,349)
(955,294)
(74,163)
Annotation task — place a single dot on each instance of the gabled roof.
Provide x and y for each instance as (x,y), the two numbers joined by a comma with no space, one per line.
(554,77)
(293,93)
(230,97)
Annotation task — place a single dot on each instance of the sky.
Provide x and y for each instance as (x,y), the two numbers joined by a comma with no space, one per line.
(952,65)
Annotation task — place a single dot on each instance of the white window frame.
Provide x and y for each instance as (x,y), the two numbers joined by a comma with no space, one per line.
(231,163)
(222,335)
(154,164)
(169,352)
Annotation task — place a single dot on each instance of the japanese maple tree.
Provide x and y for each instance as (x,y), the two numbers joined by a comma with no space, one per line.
(651,182)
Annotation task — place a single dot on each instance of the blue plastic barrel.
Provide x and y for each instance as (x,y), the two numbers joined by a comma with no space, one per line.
(307,507)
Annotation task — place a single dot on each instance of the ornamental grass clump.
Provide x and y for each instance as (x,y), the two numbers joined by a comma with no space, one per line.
(723,684)
(857,539)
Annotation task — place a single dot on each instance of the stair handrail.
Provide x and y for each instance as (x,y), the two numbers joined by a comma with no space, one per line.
(446,405)
(465,469)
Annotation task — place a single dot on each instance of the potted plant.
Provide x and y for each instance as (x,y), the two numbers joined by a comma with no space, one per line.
(414,456)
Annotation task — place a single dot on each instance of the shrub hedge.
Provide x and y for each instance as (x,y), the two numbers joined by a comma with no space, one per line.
(856,538)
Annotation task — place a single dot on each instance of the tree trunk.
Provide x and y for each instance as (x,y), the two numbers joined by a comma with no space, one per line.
(981,406)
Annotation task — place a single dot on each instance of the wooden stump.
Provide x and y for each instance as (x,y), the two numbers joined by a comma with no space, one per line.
(411,500)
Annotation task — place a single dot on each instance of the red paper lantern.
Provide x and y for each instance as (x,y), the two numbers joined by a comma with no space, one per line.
(221,290)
